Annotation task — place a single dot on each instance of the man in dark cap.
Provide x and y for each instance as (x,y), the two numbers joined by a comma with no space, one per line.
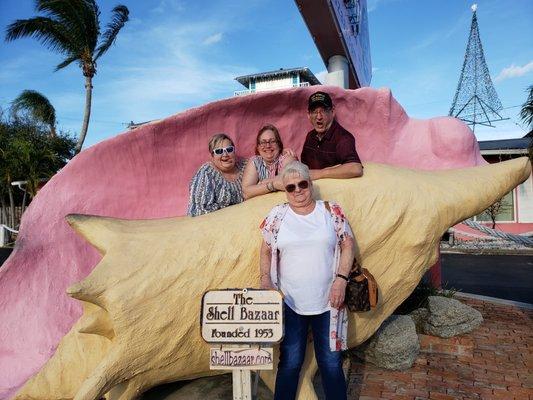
(329,149)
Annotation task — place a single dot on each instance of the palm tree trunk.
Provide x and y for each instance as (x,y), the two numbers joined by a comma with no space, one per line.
(24,201)
(85,126)
(3,215)
(12,208)
(53,132)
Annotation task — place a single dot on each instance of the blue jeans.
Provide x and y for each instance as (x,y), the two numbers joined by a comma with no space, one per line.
(292,352)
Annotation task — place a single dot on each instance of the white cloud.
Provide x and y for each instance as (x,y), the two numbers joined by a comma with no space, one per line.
(148,82)
(514,71)
(168,6)
(217,37)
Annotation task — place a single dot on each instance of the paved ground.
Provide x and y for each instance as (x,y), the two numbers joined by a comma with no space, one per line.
(4,254)
(502,276)
(494,361)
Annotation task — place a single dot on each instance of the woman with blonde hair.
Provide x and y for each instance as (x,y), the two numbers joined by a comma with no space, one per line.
(217,183)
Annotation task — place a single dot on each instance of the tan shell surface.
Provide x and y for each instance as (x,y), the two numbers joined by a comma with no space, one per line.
(141,327)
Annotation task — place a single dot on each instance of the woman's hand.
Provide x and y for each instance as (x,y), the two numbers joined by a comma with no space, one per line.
(266,283)
(278,183)
(337,292)
(289,153)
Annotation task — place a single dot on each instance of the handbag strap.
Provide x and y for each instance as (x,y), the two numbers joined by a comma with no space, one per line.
(356,267)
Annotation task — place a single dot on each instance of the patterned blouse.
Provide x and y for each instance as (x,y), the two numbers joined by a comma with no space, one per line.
(264,170)
(210,191)
(338,323)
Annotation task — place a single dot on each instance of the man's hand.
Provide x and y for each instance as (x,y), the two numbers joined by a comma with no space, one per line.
(336,294)
(289,153)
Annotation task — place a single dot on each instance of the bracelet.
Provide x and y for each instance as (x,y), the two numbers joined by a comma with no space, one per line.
(343,277)
(270,187)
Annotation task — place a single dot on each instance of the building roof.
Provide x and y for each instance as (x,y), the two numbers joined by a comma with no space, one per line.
(304,72)
(505,144)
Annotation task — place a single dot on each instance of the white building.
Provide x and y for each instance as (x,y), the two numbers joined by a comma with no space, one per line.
(279,79)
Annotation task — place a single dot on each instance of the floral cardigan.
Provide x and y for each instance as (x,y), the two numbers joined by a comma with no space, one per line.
(338,323)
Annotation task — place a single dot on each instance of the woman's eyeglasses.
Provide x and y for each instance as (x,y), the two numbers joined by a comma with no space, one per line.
(292,187)
(222,150)
(264,143)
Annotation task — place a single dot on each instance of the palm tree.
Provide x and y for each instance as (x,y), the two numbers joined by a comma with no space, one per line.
(72,28)
(526,113)
(38,106)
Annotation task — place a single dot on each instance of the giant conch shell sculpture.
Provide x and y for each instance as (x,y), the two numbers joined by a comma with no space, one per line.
(144,174)
(143,298)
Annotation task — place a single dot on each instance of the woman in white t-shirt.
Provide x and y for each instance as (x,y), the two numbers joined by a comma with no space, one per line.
(307,253)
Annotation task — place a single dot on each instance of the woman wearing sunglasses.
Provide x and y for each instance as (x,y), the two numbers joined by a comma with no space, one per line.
(261,174)
(217,184)
(307,253)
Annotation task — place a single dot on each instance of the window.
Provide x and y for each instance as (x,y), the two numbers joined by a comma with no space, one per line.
(504,213)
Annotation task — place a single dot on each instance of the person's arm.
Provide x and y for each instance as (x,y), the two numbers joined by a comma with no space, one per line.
(252,188)
(342,171)
(265,258)
(338,288)
(202,197)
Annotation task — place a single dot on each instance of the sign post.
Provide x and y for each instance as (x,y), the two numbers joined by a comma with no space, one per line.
(244,323)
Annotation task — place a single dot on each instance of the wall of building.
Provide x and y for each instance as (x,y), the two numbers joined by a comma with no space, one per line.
(271,84)
(524,194)
(518,207)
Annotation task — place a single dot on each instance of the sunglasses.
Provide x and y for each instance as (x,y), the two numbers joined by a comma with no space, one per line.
(222,150)
(292,187)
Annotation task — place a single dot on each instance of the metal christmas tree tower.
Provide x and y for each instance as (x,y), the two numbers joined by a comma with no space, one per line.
(476,101)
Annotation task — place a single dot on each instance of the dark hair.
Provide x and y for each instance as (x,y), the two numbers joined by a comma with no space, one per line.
(268,127)
(216,139)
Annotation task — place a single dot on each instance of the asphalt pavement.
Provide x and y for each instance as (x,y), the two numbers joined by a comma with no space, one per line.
(508,277)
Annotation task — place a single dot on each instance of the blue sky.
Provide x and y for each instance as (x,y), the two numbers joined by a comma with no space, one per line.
(177,54)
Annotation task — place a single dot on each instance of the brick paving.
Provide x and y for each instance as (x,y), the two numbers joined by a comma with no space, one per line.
(495,361)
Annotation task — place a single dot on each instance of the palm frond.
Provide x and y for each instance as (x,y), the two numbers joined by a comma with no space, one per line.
(37,105)
(526,113)
(66,62)
(73,16)
(119,18)
(90,16)
(49,32)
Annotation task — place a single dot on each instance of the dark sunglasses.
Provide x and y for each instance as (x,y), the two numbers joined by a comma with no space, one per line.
(292,187)
(222,150)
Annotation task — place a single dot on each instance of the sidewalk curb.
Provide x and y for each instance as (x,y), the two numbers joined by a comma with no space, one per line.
(495,300)
(489,252)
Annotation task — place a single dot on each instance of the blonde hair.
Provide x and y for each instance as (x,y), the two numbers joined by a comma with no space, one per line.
(217,139)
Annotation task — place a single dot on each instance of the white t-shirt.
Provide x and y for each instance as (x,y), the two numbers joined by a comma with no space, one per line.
(306,245)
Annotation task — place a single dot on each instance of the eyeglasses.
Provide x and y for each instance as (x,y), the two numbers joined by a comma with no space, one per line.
(222,150)
(321,111)
(292,187)
(264,143)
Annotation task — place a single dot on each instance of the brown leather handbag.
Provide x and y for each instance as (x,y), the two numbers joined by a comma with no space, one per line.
(361,290)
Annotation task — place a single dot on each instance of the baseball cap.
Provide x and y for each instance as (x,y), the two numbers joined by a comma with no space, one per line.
(319,99)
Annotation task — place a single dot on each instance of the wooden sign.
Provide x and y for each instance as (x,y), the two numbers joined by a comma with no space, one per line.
(254,357)
(242,316)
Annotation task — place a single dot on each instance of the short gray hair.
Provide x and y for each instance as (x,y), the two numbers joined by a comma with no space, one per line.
(296,167)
